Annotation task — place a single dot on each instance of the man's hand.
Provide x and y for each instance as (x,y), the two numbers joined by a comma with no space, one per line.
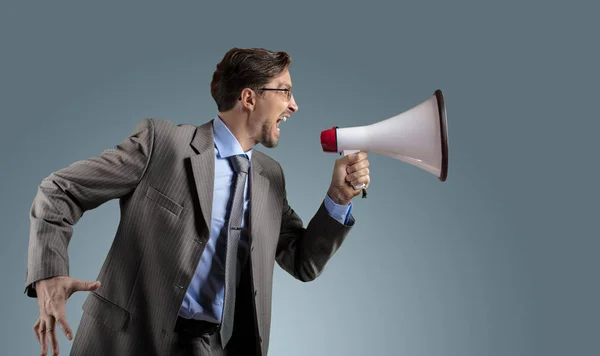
(52,295)
(349,171)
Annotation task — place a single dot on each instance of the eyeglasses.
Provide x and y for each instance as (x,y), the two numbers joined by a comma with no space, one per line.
(288,91)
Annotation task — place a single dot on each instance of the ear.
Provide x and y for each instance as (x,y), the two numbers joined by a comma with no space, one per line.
(248,99)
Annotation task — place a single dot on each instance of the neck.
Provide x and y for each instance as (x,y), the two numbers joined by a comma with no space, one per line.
(239,125)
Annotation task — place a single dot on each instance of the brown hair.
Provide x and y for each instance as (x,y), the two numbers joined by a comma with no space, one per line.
(245,68)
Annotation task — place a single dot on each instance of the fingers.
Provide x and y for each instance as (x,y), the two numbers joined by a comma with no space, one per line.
(366,180)
(357,170)
(363,172)
(357,157)
(358,167)
(357,174)
(43,338)
(352,158)
(83,286)
(43,329)
(350,168)
(56,310)
(45,333)
(51,335)
(36,330)
(52,298)
(350,172)
(61,321)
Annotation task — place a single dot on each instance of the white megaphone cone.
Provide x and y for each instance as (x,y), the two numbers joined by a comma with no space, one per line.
(418,136)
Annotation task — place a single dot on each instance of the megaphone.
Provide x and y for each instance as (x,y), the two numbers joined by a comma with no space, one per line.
(418,136)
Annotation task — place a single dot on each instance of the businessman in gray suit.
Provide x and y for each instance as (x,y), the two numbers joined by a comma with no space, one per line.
(204,217)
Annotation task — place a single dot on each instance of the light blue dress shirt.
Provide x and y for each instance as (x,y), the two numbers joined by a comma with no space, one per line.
(204,297)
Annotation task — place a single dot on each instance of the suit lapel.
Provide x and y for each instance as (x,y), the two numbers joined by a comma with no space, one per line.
(258,206)
(259,213)
(203,167)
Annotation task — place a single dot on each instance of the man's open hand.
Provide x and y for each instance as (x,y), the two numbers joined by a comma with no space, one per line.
(52,295)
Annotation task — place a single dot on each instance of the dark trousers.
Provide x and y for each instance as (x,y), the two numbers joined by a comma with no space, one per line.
(201,338)
(198,338)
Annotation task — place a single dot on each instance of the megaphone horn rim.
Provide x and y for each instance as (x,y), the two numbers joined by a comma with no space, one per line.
(444,134)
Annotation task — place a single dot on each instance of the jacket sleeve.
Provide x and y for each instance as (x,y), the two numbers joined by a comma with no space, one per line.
(65,195)
(304,251)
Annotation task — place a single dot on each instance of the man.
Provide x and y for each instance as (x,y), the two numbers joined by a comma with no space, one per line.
(204,217)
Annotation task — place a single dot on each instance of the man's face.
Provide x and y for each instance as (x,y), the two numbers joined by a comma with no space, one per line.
(272,108)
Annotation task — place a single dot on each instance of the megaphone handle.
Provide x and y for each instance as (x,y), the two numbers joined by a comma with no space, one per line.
(357,187)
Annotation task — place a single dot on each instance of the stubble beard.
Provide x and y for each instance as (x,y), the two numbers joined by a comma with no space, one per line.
(268,140)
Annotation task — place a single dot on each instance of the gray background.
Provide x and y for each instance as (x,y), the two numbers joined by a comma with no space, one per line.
(498,260)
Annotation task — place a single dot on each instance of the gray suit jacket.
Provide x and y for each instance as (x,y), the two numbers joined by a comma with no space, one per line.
(163,176)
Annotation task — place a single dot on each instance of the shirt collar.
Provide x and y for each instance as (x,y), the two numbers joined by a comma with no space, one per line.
(227,145)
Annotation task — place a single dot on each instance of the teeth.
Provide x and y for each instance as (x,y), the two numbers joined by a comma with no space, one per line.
(283,119)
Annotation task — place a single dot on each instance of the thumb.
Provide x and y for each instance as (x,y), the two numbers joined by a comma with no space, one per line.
(85,286)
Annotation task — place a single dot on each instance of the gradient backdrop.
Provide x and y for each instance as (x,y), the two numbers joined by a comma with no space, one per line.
(501,259)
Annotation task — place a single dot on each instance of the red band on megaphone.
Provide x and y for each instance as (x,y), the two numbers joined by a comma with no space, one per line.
(329,140)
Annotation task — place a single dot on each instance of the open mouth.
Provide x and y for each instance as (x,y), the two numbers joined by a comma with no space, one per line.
(280,120)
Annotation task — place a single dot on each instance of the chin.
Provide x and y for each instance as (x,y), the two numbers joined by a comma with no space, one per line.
(270,143)
(270,139)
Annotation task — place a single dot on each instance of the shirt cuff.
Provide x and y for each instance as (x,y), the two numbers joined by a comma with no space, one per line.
(339,212)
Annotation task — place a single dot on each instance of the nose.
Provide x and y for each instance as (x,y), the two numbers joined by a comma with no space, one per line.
(293,106)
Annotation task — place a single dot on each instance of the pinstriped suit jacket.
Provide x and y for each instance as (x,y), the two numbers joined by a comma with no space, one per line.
(163,176)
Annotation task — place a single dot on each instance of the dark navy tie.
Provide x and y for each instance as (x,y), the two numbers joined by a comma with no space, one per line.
(234,230)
